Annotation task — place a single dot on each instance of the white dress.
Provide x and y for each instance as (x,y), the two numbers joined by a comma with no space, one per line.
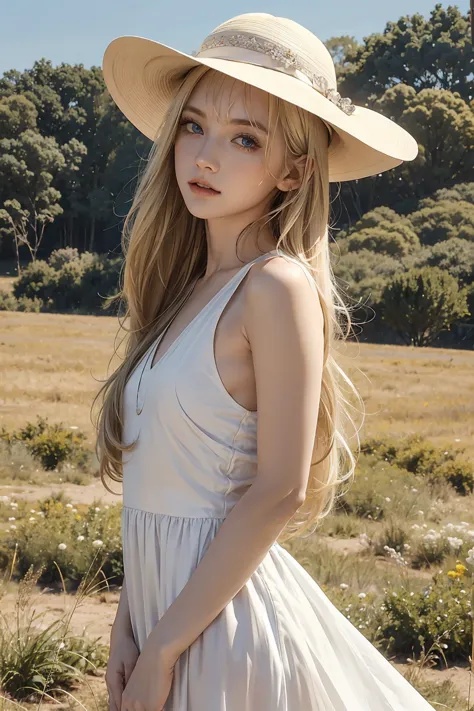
(279,644)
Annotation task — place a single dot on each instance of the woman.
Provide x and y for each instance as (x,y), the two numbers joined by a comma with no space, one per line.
(214,614)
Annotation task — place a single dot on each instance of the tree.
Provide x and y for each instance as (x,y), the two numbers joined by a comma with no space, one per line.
(421,303)
(27,166)
(424,54)
(440,220)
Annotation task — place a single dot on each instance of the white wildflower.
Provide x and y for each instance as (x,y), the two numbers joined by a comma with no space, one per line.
(62,546)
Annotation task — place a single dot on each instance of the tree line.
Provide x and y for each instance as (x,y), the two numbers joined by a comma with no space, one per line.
(69,160)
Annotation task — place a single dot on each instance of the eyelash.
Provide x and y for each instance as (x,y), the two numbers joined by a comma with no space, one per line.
(185,120)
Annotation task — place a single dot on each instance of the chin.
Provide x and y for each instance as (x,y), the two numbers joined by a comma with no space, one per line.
(201,210)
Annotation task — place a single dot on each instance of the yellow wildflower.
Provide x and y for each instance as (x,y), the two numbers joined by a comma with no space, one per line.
(461,568)
(453,574)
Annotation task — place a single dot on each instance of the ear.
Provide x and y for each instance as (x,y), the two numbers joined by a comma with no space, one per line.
(294,178)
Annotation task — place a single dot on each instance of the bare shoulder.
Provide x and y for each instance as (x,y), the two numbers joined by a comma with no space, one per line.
(282,290)
(283,323)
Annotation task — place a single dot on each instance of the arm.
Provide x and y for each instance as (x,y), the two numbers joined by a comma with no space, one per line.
(122,624)
(283,321)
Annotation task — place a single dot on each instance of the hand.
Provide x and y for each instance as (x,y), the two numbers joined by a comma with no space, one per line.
(122,659)
(150,682)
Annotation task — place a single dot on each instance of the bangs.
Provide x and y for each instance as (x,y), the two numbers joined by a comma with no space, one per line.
(222,91)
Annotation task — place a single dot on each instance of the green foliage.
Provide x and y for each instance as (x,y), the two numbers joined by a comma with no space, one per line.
(422,303)
(383,489)
(8,302)
(422,459)
(68,537)
(35,281)
(433,53)
(438,220)
(52,445)
(70,282)
(383,231)
(439,615)
(38,659)
(454,256)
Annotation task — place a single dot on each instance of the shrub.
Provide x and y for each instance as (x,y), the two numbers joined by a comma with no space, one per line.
(393,534)
(59,257)
(70,282)
(380,489)
(38,658)
(51,445)
(60,534)
(9,302)
(440,614)
(421,458)
(36,280)
(419,304)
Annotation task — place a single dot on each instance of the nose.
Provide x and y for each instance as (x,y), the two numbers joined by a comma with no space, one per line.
(207,157)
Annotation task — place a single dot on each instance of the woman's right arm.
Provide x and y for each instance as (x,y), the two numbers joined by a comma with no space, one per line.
(123,652)
(122,624)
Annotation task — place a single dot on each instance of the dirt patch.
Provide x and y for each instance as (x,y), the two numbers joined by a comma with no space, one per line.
(75,492)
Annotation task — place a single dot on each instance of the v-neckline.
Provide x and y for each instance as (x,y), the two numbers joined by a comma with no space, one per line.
(150,368)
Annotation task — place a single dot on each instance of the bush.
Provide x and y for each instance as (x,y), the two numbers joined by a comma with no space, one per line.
(61,535)
(59,257)
(9,302)
(379,490)
(36,280)
(69,282)
(38,658)
(51,445)
(419,304)
(435,464)
(440,614)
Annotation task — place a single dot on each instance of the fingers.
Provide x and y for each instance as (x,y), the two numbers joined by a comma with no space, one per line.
(115,688)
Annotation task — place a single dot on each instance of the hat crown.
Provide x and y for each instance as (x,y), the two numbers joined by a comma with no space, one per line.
(286,35)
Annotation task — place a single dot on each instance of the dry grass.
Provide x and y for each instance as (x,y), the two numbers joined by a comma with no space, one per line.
(51,365)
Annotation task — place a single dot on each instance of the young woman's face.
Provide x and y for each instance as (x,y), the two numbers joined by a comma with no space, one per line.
(226,153)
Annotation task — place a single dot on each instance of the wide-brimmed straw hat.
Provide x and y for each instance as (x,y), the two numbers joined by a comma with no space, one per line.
(271,53)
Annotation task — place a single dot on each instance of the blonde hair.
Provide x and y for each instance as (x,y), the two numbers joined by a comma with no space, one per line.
(165,250)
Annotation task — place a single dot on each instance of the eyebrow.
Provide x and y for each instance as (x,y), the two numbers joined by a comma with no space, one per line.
(236,121)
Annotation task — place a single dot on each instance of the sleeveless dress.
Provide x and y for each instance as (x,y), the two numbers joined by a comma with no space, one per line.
(279,644)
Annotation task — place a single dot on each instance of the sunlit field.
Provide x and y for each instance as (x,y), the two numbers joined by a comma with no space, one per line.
(398,531)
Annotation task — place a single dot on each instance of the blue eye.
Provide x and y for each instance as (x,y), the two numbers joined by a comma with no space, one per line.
(186,121)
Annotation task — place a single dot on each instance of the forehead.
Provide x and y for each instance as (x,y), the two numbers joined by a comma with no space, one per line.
(225,97)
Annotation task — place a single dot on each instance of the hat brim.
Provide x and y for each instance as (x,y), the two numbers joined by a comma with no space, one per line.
(142,76)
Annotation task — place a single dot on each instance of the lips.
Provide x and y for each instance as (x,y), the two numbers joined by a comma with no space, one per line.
(204,185)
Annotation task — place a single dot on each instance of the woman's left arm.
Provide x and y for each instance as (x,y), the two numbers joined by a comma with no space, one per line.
(284,326)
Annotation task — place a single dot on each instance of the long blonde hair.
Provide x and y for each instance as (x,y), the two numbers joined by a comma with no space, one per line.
(165,250)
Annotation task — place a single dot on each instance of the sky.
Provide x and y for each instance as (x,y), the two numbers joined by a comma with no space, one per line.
(79,32)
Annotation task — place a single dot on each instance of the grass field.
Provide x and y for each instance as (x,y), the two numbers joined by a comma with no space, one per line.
(53,365)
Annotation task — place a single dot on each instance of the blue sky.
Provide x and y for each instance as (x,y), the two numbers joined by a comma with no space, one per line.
(78,32)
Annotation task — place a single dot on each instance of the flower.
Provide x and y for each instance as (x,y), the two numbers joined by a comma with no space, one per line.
(362,595)
(80,538)
(97,543)
(454,543)
(343,586)
(62,546)
(460,568)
